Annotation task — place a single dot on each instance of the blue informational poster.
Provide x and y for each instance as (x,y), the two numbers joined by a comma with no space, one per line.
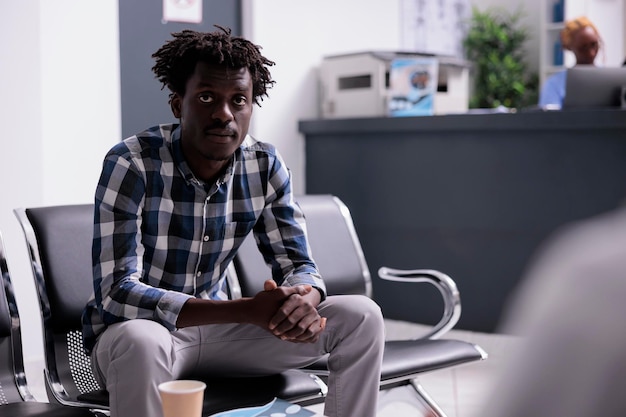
(412,86)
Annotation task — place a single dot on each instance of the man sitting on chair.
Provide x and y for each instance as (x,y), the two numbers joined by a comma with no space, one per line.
(172,206)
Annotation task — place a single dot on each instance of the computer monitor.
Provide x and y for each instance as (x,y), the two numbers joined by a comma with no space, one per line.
(594,87)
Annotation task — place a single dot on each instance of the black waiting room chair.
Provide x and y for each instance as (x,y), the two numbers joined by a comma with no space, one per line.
(59,240)
(16,399)
(337,251)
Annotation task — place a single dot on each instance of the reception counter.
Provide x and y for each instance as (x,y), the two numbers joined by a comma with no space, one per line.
(471,195)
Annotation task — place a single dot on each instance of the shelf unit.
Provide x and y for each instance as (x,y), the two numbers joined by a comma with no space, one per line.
(553,58)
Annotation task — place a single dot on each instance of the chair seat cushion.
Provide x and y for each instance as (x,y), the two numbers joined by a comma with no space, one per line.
(227,393)
(37,409)
(404,358)
(224,394)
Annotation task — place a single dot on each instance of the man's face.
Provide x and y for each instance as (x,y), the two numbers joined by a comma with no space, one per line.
(215,113)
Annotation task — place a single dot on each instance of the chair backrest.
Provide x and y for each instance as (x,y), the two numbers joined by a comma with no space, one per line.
(13,387)
(335,248)
(59,240)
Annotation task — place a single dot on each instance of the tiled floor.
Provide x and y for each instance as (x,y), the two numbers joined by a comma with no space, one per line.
(460,391)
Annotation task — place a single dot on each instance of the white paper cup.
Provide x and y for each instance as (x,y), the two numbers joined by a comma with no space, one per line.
(182,398)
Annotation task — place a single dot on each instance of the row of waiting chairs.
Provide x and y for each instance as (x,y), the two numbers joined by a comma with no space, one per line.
(59,244)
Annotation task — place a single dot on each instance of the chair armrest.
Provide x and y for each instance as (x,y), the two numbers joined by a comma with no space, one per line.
(445,285)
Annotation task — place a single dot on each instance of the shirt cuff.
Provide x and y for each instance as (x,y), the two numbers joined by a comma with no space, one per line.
(313,280)
(169,306)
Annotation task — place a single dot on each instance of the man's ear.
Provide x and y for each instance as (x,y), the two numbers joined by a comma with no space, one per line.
(176,105)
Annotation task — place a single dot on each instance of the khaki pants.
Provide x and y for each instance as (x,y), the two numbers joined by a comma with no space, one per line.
(131,358)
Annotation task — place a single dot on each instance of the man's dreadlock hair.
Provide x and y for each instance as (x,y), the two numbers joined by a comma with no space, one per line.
(176,60)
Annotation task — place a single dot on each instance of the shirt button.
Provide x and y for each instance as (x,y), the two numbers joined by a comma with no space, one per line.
(206,238)
(198,273)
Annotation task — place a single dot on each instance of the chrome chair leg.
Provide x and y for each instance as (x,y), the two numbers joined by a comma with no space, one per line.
(433,408)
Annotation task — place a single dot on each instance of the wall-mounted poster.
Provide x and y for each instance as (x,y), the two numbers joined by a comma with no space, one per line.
(412,86)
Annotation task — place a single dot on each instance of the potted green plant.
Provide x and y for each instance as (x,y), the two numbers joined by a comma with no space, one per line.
(494,44)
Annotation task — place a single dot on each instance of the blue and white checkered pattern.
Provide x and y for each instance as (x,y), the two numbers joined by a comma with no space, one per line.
(161,236)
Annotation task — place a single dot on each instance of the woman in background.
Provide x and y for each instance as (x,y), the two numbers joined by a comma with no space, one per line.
(581,37)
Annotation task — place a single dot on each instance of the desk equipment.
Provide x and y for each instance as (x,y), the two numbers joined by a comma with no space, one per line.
(358,84)
(594,87)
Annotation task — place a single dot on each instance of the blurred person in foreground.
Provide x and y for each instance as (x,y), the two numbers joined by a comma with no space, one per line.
(172,206)
(570,311)
(581,37)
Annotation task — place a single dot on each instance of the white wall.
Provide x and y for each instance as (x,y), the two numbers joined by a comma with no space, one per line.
(21,158)
(61,108)
(80,95)
(60,112)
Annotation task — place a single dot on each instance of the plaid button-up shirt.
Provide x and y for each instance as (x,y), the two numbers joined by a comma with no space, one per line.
(161,236)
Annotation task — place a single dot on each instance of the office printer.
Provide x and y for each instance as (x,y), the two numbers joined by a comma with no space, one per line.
(357,84)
